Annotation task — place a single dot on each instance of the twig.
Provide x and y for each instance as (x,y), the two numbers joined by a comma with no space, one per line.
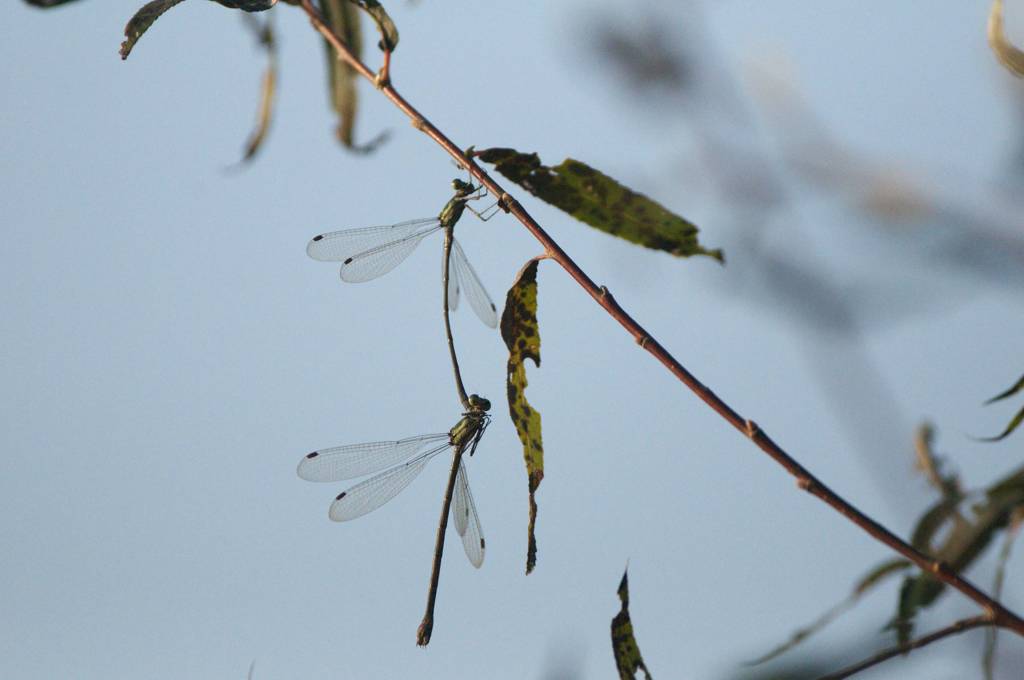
(427,625)
(999,615)
(885,655)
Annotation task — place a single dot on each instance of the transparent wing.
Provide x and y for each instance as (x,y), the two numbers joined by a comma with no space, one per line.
(368,253)
(467,522)
(479,300)
(369,495)
(338,246)
(356,460)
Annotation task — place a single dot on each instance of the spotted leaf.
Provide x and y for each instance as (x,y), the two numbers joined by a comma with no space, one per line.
(521,333)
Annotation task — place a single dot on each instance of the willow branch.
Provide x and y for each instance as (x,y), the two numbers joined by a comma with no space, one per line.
(885,655)
(1000,616)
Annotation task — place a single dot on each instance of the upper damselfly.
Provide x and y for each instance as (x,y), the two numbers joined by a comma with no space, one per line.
(370,252)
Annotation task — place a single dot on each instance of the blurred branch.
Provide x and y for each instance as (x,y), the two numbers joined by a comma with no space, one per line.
(899,650)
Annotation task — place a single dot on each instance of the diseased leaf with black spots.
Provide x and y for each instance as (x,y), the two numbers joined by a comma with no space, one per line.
(388,30)
(521,333)
(248,5)
(1017,419)
(265,36)
(141,22)
(598,200)
(1010,56)
(970,531)
(867,583)
(627,653)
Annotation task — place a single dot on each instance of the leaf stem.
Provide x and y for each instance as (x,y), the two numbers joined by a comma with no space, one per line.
(997,613)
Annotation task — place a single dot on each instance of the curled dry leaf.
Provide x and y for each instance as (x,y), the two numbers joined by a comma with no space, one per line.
(521,333)
(1008,55)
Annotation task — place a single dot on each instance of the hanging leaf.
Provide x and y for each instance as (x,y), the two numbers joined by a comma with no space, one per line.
(991,633)
(968,535)
(1017,419)
(388,31)
(248,5)
(265,36)
(141,22)
(1008,55)
(627,653)
(931,465)
(598,200)
(521,333)
(867,583)
(151,11)
(47,3)
(343,19)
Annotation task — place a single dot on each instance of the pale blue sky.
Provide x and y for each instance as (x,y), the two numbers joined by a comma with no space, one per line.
(170,351)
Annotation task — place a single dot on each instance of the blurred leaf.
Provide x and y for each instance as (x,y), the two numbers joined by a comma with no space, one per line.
(265,35)
(388,31)
(866,584)
(600,201)
(343,18)
(627,653)
(521,333)
(141,22)
(966,539)
(930,463)
(1017,419)
(248,5)
(1008,55)
(992,632)
(1017,387)
(47,3)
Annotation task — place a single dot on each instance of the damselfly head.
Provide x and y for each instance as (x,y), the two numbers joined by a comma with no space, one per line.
(462,188)
(478,403)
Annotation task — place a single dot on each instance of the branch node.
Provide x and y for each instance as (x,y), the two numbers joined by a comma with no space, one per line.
(805,484)
(505,202)
(751,429)
(419,123)
(643,340)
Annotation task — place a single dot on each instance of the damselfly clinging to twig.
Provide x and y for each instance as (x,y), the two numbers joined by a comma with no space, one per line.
(401,462)
(370,252)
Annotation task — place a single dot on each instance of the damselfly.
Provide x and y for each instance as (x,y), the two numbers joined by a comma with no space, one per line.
(401,462)
(370,252)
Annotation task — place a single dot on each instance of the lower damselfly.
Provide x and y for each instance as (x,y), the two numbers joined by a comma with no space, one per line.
(370,252)
(401,462)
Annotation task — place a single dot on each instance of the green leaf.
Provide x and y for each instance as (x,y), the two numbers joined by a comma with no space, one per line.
(265,36)
(598,200)
(627,653)
(1008,55)
(141,22)
(867,583)
(388,31)
(968,536)
(1014,389)
(521,333)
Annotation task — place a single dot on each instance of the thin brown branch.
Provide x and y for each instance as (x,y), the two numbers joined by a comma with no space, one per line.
(885,655)
(999,615)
